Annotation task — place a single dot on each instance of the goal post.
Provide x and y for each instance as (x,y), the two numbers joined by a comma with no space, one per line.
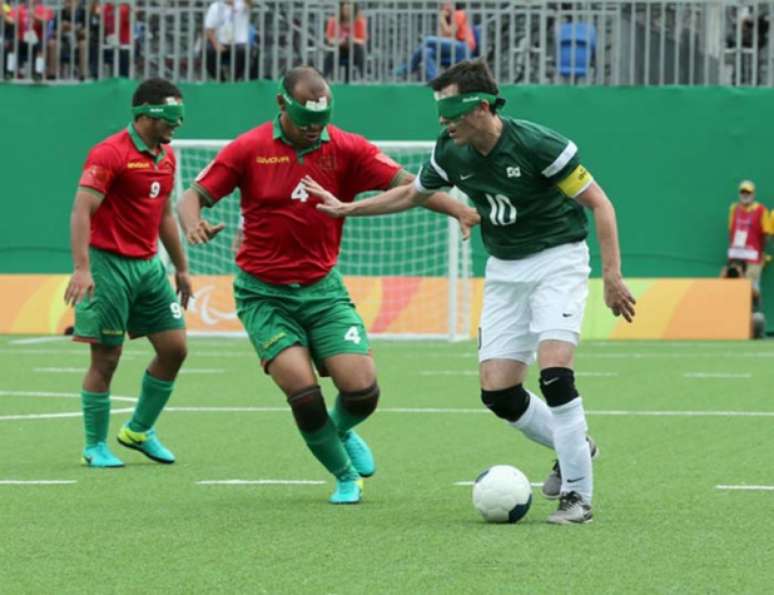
(409,273)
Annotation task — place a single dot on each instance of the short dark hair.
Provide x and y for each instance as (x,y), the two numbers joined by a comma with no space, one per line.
(154,92)
(298,73)
(469,76)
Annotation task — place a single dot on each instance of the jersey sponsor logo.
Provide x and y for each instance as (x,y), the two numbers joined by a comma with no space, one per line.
(138,165)
(513,172)
(272,160)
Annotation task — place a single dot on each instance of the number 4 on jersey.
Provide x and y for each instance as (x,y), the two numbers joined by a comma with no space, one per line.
(299,193)
(353,334)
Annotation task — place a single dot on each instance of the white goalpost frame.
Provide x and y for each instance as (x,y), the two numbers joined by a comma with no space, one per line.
(458,269)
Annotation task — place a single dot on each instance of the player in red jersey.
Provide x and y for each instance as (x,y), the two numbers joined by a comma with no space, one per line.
(290,298)
(119,284)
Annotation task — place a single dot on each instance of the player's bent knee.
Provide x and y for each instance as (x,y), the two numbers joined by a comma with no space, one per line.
(308,408)
(361,402)
(558,386)
(507,403)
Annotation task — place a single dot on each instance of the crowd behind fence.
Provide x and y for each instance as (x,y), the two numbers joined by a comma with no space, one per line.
(616,42)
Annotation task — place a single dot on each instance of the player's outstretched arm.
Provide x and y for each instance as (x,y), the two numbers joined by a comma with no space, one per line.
(394,200)
(170,237)
(617,296)
(196,229)
(81,283)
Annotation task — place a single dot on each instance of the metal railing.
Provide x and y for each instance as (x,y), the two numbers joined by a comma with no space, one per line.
(617,42)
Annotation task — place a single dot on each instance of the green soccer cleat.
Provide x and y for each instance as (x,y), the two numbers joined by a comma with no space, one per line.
(348,491)
(361,456)
(146,443)
(100,456)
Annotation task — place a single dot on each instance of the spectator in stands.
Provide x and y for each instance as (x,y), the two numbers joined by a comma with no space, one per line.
(65,45)
(455,42)
(349,35)
(118,37)
(227,28)
(748,224)
(8,26)
(30,23)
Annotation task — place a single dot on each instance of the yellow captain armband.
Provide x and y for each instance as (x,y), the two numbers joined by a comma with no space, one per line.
(578,180)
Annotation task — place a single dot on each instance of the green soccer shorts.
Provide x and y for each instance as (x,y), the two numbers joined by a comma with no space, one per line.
(320,317)
(130,295)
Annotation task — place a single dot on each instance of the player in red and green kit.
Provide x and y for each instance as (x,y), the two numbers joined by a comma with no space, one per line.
(290,298)
(530,188)
(119,285)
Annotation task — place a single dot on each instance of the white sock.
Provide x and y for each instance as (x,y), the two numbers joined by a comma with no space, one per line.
(537,422)
(569,423)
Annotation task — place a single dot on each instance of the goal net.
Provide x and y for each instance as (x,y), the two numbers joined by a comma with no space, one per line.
(409,273)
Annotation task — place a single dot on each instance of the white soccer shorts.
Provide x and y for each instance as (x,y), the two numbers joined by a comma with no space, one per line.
(533,299)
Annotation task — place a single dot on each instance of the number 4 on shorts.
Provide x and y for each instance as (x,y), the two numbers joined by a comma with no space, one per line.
(353,334)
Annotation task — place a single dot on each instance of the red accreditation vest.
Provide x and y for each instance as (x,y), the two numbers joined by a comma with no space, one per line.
(747,232)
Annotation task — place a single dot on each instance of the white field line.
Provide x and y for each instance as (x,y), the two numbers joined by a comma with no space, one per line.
(80,351)
(37,340)
(37,482)
(624,355)
(57,415)
(534,484)
(83,370)
(745,488)
(482,411)
(236,409)
(43,394)
(475,373)
(715,375)
(262,482)
(278,409)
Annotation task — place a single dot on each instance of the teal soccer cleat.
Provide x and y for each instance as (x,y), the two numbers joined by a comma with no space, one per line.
(358,451)
(348,491)
(147,443)
(100,456)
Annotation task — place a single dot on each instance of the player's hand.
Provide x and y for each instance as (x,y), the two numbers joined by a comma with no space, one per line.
(468,219)
(330,205)
(203,232)
(618,297)
(184,287)
(81,285)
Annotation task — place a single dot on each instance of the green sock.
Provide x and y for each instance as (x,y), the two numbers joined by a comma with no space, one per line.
(96,416)
(328,449)
(153,396)
(343,419)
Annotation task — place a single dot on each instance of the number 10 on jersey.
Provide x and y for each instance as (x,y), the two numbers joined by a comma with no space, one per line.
(502,211)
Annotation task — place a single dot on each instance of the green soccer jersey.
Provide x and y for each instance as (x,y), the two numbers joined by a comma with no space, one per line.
(516,187)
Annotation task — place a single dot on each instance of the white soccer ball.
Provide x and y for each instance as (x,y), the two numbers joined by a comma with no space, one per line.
(502,494)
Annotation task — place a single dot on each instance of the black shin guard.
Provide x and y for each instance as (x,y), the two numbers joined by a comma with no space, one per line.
(308,408)
(558,386)
(507,403)
(360,403)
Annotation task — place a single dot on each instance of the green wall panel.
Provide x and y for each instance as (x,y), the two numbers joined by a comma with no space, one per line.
(669,157)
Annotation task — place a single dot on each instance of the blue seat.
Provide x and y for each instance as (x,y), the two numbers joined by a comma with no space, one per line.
(583,38)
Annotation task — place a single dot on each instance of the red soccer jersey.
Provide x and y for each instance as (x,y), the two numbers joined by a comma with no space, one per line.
(136,185)
(286,239)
